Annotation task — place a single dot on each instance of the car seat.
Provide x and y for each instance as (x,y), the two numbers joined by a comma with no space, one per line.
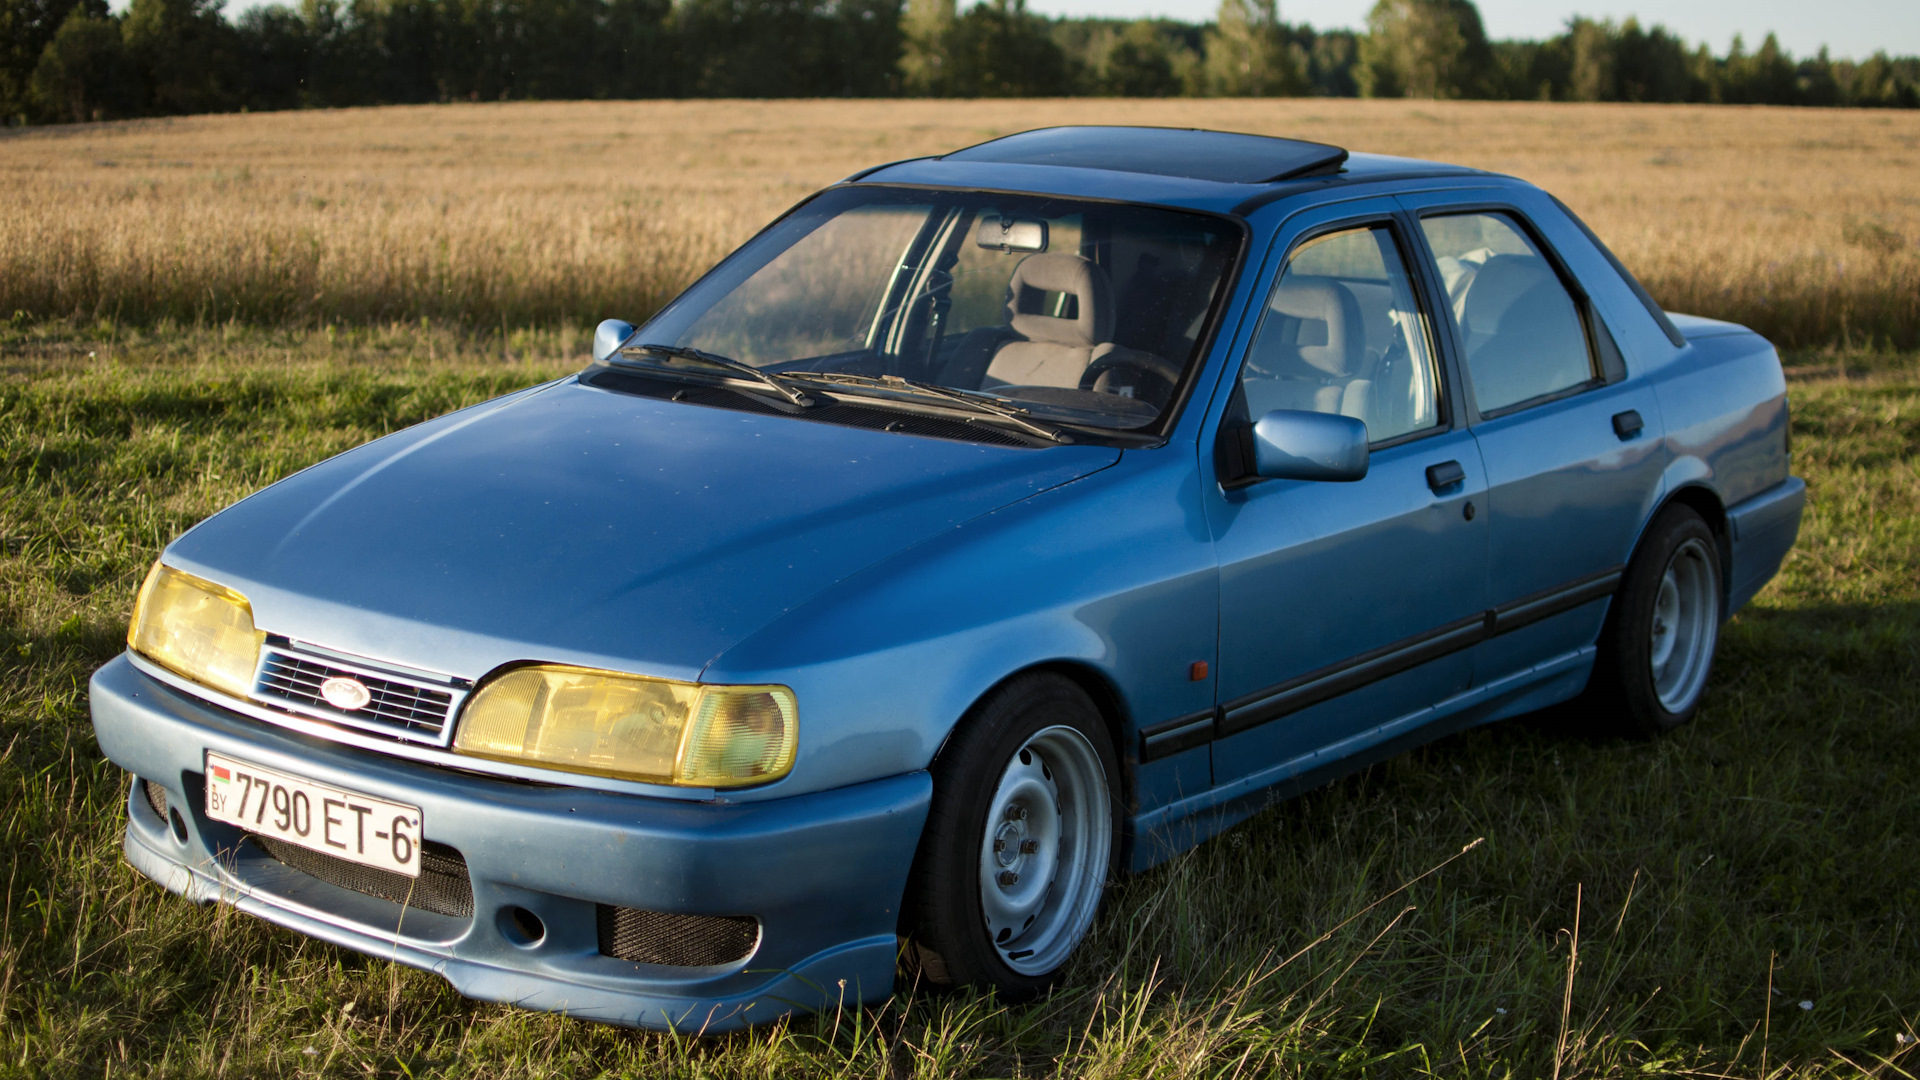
(1053,350)
(1311,353)
(1523,336)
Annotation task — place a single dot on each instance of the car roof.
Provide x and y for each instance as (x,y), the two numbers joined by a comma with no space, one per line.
(1212,170)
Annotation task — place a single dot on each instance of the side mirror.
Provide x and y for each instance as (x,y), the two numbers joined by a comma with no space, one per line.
(1293,445)
(608,338)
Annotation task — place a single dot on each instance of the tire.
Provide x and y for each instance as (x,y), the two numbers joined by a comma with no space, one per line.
(1657,647)
(1019,843)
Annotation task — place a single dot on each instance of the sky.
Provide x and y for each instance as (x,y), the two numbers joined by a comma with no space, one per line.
(1850,28)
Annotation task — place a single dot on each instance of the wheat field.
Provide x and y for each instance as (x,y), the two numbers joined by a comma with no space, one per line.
(1803,223)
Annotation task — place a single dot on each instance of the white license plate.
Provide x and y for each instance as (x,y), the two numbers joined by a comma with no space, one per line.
(345,824)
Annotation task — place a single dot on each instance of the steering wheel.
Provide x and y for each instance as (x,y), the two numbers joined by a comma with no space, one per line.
(1134,363)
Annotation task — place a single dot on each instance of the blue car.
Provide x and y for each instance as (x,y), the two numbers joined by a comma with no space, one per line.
(987,527)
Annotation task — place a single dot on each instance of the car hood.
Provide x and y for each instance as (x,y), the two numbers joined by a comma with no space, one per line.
(573,524)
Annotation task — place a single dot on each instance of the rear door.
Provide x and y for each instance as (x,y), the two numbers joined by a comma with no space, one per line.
(1572,447)
(1343,606)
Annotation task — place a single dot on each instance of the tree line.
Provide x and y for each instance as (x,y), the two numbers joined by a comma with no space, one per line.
(75,60)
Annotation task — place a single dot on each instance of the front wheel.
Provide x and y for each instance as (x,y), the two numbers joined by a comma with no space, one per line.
(1657,648)
(1019,842)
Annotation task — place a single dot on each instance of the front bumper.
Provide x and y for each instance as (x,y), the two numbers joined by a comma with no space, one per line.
(823,873)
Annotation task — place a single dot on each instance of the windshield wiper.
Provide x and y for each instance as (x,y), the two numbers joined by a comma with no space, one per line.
(1014,417)
(725,363)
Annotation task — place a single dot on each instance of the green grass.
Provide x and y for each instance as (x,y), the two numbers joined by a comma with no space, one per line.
(1763,857)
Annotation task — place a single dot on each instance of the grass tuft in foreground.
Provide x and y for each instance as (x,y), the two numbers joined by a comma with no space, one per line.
(1743,893)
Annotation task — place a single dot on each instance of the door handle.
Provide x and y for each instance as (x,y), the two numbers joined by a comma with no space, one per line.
(1627,424)
(1445,475)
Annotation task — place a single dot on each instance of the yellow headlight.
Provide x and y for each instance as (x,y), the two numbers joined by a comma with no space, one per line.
(196,628)
(632,728)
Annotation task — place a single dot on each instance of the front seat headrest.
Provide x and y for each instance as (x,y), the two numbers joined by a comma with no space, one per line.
(1061,273)
(1329,336)
(1497,289)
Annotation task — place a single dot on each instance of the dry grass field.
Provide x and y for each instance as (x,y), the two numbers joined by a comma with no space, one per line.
(1803,223)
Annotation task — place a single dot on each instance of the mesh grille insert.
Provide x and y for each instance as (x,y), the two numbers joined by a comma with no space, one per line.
(156,797)
(660,937)
(442,887)
(417,710)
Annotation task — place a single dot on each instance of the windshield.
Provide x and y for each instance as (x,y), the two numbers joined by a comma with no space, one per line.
(1076,312)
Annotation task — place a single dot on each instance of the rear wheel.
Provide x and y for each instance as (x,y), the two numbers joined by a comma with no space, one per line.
(1019,842)
(1657,648)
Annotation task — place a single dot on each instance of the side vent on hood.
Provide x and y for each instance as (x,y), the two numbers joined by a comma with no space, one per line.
(720,397)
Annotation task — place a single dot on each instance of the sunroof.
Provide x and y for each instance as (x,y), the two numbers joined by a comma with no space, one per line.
(1187,152)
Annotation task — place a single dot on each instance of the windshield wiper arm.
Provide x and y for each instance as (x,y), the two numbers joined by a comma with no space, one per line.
(725,363)
(1015,417)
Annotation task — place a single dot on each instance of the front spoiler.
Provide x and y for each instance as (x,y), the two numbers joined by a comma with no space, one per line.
(824,873)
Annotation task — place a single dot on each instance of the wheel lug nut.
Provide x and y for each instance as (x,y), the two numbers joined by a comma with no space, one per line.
(1028,847)
(1008,878)
(999,845)
(1016,813)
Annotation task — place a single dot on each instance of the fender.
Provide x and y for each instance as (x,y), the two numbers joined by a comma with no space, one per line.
(898,653)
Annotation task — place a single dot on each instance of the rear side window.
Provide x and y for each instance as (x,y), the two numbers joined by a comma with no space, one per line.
(1519,327)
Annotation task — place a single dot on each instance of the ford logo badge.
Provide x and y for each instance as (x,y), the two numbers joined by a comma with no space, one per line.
(345,694)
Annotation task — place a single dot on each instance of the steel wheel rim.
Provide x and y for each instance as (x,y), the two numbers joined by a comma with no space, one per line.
(1684,626)
(1043,855)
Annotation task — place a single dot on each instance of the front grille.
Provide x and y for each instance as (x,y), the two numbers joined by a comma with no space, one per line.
(660,937)
(156,797)
(414,710)
(442,887)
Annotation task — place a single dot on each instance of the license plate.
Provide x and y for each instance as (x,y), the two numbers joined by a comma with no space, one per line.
(345,824)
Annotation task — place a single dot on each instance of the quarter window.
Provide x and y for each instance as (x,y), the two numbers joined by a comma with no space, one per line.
(1516,321)
(1342,334)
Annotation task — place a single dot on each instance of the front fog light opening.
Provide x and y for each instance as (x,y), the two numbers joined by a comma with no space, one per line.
(521,927)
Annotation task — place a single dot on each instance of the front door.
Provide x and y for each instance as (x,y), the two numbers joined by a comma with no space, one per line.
(1344,606)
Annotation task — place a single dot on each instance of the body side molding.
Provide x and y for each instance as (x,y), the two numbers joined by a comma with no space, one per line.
(1251,710)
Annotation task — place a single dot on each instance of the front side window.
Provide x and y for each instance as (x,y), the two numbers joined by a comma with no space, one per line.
(1342,333)
(1517,323)
(1075,312)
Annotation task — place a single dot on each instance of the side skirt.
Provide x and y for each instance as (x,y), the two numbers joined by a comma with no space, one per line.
(1171,829)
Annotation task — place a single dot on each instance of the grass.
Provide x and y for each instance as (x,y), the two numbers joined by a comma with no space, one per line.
(1799,222)
(1417,919)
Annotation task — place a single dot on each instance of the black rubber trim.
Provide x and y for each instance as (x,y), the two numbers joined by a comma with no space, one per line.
(1547,603)
(1347,675)
(1169,737)
(1335,679)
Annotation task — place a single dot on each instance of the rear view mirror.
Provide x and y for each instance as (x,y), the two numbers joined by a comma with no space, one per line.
(1293,445)
(608,338)
(1011,234)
